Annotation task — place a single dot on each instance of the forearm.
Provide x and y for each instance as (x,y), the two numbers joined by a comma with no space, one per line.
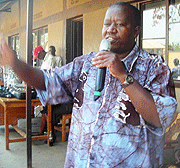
(143,102)
(32,76)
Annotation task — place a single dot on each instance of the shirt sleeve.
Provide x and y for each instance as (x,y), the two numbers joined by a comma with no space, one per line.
(58,61)
(161,86)
(61,83)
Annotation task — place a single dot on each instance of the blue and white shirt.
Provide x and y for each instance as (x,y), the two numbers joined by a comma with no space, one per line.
(109,132)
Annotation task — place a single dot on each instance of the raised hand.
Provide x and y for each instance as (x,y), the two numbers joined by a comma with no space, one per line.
(7,56)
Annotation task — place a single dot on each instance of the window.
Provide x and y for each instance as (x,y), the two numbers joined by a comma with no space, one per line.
(14,42)
(161,35)
(154,28)
(74,38)
(174,38)
(40,38)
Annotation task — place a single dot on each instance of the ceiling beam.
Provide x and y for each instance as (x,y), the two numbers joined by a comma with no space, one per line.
(6,10)
(2,9)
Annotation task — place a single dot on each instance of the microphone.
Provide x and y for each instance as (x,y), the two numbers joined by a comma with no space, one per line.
(100,78)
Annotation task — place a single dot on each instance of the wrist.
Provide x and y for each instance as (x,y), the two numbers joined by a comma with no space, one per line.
(127,81)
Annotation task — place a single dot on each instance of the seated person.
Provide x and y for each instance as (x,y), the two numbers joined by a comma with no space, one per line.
(50,60)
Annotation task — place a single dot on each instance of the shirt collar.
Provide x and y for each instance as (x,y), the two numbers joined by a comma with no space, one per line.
(130,59)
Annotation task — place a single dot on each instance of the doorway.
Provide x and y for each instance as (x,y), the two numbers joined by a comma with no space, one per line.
(74,38)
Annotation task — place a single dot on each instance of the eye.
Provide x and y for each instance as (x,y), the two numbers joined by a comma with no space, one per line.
(119,24)
(107,24)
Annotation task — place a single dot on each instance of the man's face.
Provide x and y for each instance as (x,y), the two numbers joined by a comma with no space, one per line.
(119,28)
(52,51)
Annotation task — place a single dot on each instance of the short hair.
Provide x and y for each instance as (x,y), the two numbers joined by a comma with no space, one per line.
(136,12)
(52,47)
(176,62)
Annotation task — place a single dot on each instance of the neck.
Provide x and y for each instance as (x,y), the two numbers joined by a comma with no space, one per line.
(123,55)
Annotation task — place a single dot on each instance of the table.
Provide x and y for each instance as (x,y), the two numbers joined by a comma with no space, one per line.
(11,109)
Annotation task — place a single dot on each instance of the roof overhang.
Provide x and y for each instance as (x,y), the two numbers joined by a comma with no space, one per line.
(5,5)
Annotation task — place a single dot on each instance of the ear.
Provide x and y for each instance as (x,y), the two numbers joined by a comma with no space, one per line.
(137,31)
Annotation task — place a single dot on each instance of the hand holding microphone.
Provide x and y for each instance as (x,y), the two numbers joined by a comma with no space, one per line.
(100,79)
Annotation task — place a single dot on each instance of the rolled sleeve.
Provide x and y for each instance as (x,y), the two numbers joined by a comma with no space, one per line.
(166,107)
(61,83)
(41,94)
(161,87)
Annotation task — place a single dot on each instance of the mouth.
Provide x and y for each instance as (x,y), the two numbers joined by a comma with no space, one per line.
(111,39)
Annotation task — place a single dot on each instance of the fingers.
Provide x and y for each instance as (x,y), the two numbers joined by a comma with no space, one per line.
(100,63)
(5,52)
(2,40)
(102,59)
(4,45)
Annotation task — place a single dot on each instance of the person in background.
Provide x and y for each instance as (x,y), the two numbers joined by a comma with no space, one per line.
(50,60)
(52,51)
(176,69)
(125,127)
(38,55)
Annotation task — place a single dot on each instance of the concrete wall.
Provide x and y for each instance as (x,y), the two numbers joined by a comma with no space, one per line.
(92,29)
(55,37)
(54,15)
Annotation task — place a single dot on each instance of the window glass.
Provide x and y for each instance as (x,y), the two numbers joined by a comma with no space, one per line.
(35,39)
(174,38)
(40,38)
(15,44)
(154,28)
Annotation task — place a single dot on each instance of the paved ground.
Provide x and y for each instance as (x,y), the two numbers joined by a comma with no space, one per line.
(43,156)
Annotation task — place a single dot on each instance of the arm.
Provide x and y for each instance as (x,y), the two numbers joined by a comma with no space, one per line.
(32,76)
(140,97)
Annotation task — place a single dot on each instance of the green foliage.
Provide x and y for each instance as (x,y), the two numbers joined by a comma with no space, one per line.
(174,46)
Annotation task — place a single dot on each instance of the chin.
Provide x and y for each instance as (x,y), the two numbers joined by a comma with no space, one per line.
(116,50)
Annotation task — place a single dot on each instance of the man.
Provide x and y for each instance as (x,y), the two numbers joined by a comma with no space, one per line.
(51,60)
(125,127)
(52,51)
(176,69)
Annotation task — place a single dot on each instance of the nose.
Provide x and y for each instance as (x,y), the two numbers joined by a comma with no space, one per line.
(112,28)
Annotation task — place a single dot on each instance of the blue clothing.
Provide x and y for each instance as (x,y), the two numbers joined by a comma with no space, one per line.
(109,132)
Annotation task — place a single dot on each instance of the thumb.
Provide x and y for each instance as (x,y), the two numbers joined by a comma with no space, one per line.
(3,42)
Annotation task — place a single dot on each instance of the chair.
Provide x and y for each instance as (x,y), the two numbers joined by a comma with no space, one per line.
(170,144)
(62,112)
(64,127)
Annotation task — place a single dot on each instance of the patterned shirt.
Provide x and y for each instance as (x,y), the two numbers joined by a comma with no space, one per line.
(109,132)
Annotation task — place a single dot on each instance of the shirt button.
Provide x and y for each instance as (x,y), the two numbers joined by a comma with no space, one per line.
(95,137)
(108,96)
(100,117)
(91,157)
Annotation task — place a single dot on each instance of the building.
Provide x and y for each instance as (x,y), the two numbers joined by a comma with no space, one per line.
(74,27)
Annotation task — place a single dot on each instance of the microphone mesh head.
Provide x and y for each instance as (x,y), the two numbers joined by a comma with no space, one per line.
(105,45)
